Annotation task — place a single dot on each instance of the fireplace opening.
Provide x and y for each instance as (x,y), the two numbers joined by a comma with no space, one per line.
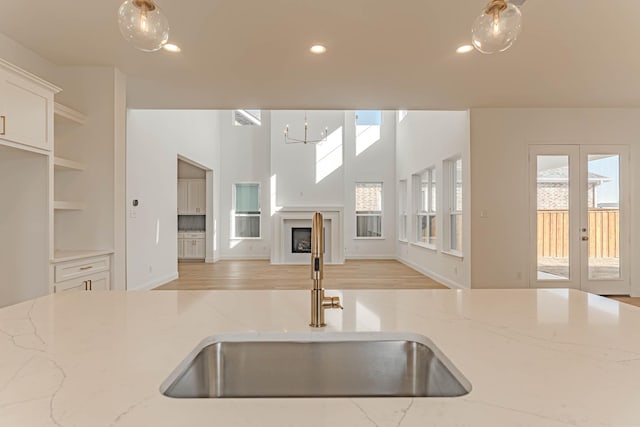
(301,240)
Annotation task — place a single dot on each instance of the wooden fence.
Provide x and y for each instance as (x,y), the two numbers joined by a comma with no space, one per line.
(604,235)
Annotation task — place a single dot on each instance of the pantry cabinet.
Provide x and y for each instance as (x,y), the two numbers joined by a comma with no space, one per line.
(192,197)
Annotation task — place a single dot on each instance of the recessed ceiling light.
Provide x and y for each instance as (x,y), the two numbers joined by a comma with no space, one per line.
(318,49)
(170,47)
(465,48)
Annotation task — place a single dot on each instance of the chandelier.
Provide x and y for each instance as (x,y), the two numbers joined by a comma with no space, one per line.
(305,140)
(497,27)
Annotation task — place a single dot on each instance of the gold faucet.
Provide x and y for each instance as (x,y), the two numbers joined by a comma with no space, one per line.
(319,303)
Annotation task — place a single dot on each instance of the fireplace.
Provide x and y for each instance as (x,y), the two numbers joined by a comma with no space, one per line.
(291,242)
(301,240)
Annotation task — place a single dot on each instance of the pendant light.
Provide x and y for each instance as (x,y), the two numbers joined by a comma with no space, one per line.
(143,24)
(497,27)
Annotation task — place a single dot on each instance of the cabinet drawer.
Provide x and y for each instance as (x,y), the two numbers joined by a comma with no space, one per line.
(95,282)
(74,269)
(199,235)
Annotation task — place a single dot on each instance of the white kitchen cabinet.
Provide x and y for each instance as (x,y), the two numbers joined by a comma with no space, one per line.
(197,197)
(192,197)
(94,282)
(26,108)
(183,196)
(91,273)
(192,246)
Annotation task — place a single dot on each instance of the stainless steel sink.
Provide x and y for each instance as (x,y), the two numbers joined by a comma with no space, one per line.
(315,365)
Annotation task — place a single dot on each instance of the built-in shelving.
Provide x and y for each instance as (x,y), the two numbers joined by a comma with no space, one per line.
(66,164)
(69,113)
(68,206)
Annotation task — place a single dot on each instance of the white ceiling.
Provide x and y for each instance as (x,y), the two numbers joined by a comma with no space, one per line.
(382,53)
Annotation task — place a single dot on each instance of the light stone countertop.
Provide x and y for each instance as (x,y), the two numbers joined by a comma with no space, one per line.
(534,357)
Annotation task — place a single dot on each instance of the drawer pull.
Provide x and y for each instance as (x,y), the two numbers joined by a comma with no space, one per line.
(4,125)
(86,268)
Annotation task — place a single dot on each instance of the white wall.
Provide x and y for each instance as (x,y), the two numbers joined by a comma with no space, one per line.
(93,93)
(426,139)
(245,154)
(155,138)
(304,179)
(24,225)
(499,151)
(375,164)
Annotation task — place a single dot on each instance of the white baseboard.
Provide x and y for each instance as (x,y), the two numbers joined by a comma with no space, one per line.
(390,256)
(154,283)
(437,277)
(245,257)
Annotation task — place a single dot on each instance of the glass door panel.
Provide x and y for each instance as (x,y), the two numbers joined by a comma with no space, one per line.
(552,217)
(603,204)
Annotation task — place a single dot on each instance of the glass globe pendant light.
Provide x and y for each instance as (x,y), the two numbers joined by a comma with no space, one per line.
(497,27)
(143,24)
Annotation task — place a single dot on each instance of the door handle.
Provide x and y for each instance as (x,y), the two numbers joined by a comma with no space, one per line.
(4,125)
(585,238)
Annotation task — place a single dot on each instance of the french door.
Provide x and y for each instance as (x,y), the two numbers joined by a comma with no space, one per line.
(579,223)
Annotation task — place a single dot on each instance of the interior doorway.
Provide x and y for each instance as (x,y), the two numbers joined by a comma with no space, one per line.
(194,211)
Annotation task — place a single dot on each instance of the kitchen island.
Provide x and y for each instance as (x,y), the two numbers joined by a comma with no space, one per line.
(533,357)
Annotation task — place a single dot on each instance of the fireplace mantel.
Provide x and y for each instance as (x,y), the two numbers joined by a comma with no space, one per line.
(301,215)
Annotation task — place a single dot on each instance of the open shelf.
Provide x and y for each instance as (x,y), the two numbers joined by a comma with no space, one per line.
(68,206)
(68,113)
(66,164)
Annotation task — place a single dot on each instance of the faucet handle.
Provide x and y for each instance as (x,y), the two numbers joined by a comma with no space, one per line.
(332,302)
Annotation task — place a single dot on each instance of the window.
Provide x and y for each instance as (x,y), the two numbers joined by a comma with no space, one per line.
(453,175)
(247,117)
(369,209)
(368,124)
(402,210)
(246,216)
(426,212)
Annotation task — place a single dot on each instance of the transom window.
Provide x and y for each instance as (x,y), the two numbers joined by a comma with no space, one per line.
(247,117)
(369,209)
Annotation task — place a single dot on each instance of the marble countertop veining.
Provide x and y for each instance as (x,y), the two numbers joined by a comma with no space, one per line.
(534,357)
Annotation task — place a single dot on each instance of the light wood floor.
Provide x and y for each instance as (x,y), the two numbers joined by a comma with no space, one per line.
(354,274)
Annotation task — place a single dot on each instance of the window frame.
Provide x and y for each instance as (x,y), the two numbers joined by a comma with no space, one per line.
(428,210)
(381,214)
(235,215)
(403,211)
(452,212)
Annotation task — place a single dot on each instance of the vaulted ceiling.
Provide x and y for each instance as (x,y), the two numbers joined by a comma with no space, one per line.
(381,53)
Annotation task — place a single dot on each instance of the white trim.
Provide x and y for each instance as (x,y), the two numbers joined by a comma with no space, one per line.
(245,257)
(454,253)
(23,147)
(68,113)
(154,283)
(370,238)
(432,248)
(438,278)
(376,257)
(45,84)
